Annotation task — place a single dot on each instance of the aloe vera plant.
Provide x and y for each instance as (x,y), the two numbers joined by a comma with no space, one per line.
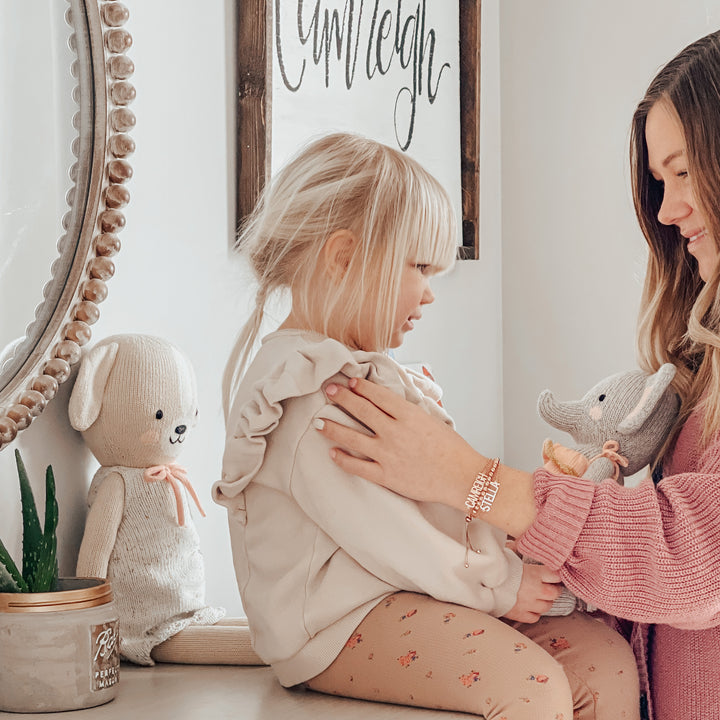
(39,547)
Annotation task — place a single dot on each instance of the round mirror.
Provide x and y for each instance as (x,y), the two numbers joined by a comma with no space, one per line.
(63,155)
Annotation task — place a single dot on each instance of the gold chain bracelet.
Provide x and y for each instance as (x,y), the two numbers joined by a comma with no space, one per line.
(480,498)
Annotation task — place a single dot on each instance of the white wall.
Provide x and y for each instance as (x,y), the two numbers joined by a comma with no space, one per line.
(572,255)
(550,304)
(173,280)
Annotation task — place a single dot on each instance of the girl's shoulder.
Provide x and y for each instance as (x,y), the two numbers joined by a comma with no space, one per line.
(282,386)
(297,363)
(285,384)
(303,362)
(293,364)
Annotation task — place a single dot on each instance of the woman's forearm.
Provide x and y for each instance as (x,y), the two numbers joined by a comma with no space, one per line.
(645,553)
(514,508)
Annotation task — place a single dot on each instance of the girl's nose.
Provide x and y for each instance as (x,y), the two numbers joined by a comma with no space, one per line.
(673,209)
(428,296)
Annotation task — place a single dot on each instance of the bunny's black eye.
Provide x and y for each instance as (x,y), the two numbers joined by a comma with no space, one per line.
(159,415)
(602,397)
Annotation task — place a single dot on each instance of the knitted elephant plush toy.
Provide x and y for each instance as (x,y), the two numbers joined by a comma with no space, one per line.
(135,402)
(619,425)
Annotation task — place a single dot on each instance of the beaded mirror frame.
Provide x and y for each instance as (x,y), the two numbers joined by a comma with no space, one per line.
(43,358)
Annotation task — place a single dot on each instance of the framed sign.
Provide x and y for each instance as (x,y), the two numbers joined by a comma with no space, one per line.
(404,73)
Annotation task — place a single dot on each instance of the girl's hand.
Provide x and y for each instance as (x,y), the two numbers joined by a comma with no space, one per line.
(410,452)
(539,587)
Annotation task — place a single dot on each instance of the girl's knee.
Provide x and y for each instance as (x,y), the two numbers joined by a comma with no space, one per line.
(536,687)
(598,662)
(608,657)
(605,682)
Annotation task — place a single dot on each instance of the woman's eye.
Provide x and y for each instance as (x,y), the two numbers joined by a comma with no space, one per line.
(682,174)
(423,268)
(159,415)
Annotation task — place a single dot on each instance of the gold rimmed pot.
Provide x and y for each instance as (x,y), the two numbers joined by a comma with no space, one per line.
(59,649)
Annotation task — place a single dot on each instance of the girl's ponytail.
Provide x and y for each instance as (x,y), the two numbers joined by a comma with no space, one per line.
(240,354)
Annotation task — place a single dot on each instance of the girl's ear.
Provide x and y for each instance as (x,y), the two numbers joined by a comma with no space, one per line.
(337,253)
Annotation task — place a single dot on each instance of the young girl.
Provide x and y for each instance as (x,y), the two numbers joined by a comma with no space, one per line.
(349,588)
(662,569)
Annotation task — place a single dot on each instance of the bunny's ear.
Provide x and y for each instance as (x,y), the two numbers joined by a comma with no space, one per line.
(87,394)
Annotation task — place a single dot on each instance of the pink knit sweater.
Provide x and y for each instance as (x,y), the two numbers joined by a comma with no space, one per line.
(650,554)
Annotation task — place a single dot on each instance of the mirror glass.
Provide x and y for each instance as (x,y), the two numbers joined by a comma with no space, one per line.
(36,155)
(64,144)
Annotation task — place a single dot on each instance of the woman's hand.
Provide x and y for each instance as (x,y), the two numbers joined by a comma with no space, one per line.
(420,457)
(410,452)
(539,588)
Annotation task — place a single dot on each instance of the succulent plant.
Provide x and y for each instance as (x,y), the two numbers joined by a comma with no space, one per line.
(39,547)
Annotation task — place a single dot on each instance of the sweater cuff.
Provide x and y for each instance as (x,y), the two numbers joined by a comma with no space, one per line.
(563,504)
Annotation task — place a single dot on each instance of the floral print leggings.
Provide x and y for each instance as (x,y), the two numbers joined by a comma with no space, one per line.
(414,650)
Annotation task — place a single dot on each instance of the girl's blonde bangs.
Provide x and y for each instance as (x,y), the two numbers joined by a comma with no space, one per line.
(430,224)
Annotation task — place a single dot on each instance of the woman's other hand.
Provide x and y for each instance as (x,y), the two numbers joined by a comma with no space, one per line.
(539,588)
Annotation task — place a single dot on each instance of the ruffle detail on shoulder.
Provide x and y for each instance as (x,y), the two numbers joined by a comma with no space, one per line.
(306,369)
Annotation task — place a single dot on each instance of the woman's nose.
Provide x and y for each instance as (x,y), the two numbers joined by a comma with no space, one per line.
(674,208)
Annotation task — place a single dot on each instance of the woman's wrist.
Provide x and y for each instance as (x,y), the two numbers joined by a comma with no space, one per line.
(513,501)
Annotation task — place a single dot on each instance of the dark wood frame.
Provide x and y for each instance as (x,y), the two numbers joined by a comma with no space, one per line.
(253,112)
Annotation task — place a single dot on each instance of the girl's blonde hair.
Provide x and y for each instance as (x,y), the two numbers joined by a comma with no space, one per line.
(680,314)
(394,208)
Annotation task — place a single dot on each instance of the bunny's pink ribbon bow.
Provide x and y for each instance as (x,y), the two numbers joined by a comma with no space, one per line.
(174,475)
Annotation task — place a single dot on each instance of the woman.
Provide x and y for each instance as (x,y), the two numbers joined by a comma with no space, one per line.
(648,554)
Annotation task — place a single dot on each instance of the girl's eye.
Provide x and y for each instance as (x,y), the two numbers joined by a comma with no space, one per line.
(159,415)
(682,174)
(423,268)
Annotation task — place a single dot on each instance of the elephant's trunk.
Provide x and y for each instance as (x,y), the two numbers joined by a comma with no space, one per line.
(564,416)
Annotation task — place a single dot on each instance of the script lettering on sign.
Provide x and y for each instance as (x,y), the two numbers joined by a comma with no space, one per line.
(397,40)
(403,72)
(386,69)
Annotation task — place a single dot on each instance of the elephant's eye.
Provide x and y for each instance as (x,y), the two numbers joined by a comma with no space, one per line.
(602,397)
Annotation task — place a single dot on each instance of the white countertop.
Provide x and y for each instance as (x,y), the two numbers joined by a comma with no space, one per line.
(213,692)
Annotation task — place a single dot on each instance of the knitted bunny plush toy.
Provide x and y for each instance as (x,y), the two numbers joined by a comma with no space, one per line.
(135,402)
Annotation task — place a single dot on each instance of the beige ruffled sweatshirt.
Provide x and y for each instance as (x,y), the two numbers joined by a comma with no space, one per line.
(315,549)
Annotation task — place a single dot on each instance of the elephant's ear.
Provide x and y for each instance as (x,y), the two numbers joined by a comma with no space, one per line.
(655,387)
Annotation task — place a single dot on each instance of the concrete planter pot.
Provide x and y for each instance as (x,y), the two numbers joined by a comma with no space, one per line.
(59,650)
